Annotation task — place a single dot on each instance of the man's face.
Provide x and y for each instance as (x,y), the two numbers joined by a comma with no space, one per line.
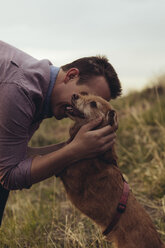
(64,91)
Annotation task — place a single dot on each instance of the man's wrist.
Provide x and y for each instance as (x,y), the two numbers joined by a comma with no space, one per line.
(72,153)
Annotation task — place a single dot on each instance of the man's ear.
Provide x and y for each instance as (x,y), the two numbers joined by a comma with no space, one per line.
(70,74)
(111,117)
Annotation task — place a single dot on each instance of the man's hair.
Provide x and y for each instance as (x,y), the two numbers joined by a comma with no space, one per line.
(96,66)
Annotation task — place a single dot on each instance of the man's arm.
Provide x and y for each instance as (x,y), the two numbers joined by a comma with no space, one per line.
(33,151)
(86,144)
(16,116)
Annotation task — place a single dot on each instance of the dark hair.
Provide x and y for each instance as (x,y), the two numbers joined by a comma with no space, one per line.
(96,66)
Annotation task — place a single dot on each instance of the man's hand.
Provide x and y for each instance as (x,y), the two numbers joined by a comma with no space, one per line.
(89,143)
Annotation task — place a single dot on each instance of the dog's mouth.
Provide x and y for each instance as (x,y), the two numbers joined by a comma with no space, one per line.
(72,111)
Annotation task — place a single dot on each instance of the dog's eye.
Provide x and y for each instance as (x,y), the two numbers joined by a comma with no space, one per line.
(83,93)
(93,104)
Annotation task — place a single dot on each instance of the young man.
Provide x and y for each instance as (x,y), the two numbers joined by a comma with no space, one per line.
(32,90)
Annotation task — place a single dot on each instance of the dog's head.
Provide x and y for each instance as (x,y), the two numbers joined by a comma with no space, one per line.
(86,107)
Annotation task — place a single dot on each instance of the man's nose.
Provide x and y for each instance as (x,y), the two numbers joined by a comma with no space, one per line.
(75,97)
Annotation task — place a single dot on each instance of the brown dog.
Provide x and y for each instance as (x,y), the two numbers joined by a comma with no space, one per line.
(95,186)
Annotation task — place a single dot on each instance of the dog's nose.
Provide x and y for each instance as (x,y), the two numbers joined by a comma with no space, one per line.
(75,97)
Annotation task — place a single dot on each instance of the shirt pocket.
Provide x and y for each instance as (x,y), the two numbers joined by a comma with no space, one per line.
(12,73)
(14,63)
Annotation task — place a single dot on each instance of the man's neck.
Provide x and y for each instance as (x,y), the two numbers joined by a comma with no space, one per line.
(60,77)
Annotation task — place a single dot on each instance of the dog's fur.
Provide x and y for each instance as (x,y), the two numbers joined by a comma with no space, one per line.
(95,186)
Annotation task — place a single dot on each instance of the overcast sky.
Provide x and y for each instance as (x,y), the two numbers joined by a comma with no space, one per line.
(131,33)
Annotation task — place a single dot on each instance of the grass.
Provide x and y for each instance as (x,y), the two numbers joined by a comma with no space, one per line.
(42,217)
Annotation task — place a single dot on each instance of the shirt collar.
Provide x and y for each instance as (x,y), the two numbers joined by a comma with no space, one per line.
(47,111)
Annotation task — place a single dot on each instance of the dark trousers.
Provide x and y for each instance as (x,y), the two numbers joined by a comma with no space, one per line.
(4,193)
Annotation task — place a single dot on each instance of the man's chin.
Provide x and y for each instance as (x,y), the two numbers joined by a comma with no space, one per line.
(60,117)
(60,113)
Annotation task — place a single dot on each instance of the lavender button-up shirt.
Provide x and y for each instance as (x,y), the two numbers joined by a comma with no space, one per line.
(25,88)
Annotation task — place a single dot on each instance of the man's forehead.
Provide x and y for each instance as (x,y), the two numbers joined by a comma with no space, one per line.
(99,86)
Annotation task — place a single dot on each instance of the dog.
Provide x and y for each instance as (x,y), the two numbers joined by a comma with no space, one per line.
(97,187)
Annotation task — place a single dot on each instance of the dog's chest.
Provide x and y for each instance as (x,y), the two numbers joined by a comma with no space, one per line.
(85,175)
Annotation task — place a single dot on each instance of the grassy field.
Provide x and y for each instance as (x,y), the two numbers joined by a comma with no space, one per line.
(42,217)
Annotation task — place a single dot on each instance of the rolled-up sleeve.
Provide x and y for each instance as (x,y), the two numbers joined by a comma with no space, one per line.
(16,115)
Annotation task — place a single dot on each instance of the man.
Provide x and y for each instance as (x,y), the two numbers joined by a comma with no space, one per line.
(32,90)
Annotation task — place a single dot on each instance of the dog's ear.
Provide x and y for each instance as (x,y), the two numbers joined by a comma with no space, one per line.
(111,116)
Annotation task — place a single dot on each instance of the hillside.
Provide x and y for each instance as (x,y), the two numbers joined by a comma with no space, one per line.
(43,217)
